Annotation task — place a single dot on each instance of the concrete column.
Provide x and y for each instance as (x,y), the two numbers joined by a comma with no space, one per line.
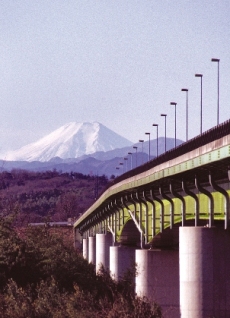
(85,248)
(204,272)
(121,259)
(92,250)
(158,279)
(103,242)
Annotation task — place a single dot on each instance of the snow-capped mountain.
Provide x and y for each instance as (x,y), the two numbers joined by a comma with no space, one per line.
(70,141)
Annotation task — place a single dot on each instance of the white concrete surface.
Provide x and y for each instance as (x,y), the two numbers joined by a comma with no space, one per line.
(158,279)
(92,250)
(122,258)
(85,248)
(103,243)
(204,272)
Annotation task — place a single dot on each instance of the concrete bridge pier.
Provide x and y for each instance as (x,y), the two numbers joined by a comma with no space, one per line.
(158,279)
(103,243)
(85,248)
(204,272)
(92,250)
(122,258)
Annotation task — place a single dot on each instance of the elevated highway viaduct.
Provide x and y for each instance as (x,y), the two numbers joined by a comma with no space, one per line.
(170,216)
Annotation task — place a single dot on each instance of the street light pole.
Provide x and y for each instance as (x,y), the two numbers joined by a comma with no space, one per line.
(121,163)
(165,115)
(125,159)
(218,88)
(135,147)
(147,133)
(156,125)
(186,90)
(201,106)
(131,155)
(141,141)
(173,103)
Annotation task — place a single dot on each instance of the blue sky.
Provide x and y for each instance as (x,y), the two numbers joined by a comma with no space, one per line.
(119,62)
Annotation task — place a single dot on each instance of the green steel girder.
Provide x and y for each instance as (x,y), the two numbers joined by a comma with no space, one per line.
(181,171)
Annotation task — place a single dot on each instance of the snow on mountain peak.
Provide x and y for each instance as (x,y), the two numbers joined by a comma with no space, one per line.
(70,141)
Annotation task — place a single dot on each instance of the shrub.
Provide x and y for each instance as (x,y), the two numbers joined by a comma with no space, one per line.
(42,276)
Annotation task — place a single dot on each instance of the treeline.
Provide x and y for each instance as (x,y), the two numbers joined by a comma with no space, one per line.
(48,196)
(41,276)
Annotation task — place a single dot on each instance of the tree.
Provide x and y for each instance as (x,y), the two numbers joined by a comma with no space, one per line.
(42,276)
(67,206)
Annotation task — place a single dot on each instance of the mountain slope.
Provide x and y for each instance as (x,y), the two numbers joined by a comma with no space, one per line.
(98,163)
(70,141)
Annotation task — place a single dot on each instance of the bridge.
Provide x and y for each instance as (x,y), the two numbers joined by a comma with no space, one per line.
(170,216)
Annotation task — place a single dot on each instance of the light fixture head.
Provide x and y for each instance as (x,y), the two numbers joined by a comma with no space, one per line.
(164,115)
(173,103)
(184,90)
(215,60)
(198,75)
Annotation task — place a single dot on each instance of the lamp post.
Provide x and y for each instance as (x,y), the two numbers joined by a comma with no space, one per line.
(126,168)
(165,115)
(141,141)
(121,163)
(135,147)
(131,155)
(117,169)
(186,90)
(218,87)
(201,76)
(147,133)
(156,125)
(174,104)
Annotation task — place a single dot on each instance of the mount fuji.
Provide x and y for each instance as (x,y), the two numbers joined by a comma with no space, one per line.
(70,141)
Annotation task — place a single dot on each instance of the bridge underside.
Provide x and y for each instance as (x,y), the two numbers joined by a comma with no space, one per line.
(196,197)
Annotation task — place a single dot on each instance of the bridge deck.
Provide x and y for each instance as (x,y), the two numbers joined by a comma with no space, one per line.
(213,156)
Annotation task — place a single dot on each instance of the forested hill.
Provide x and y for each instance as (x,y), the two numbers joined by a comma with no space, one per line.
(47,196)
